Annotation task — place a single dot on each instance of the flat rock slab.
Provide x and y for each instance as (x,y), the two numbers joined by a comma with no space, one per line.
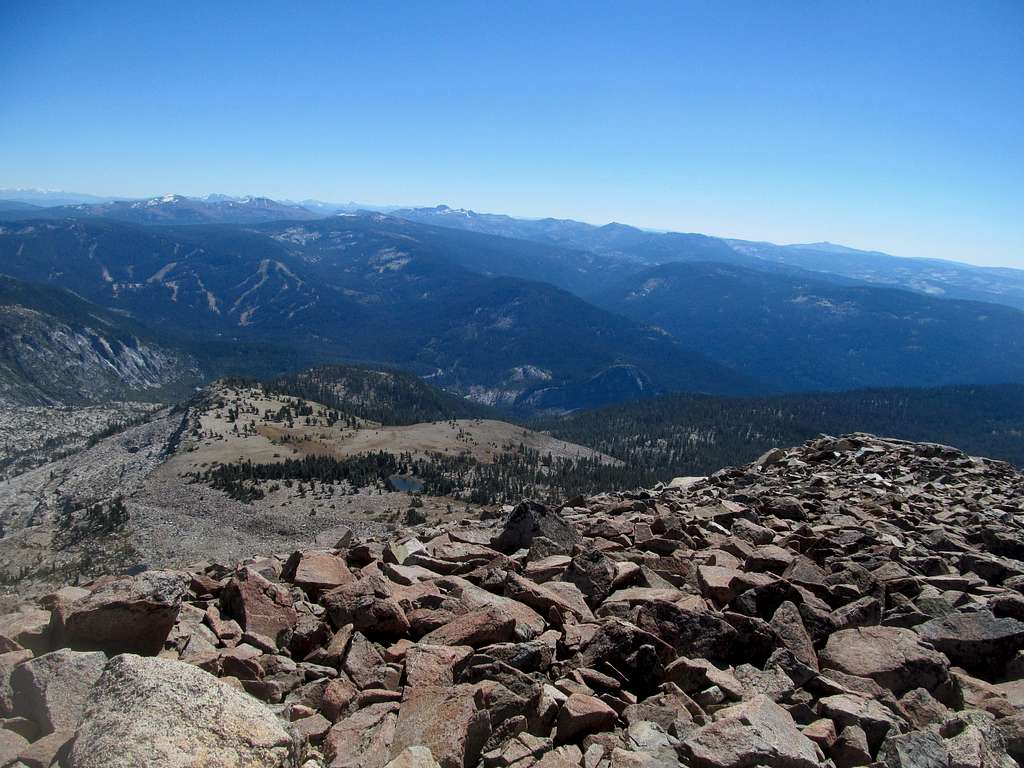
(892,657)
(482,626)
(316,570)
(434,664)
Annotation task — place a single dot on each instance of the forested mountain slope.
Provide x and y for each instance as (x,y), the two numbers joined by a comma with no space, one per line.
(694,434)
(357,292)
(640,247)
(797,332)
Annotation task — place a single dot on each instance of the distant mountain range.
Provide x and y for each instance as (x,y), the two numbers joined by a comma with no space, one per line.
(177,209)
(50,197)
(172,209)
(945,279)
(545,315)
(370,288)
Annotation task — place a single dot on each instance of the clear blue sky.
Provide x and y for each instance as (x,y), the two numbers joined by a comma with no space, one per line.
(889,125)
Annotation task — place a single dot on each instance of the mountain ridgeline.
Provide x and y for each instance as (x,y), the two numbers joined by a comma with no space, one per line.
(937,278)
(531,317)
(175,209)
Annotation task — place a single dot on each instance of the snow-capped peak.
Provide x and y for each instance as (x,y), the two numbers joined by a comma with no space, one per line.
(168,198)
(445,210)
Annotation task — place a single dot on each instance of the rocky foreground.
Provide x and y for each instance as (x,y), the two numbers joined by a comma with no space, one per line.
(855,601)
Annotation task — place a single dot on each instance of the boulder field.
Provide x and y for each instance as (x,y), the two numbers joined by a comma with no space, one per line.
(854,601)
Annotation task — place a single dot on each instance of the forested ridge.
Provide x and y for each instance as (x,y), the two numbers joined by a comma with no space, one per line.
(655,439)
(515,473)
(689,434)
(389,397)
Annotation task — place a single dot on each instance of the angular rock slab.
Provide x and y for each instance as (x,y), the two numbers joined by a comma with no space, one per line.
(789,627)
(979,642)
(362,740)
(52,749)
(126,615)
(447,721)
(530,520)
(867,714)
(52,690)
(482,626)
(259,605)
(148,712)
(434,664)
(8,663)
(892,657)
(583,714)
(756,732)
(11,745)
(368,604)
(29,628)
(316,570)
(414,757)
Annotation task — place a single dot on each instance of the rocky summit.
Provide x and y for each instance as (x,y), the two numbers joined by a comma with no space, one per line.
(852,601)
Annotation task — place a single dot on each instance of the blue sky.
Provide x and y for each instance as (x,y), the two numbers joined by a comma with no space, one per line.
(889,125)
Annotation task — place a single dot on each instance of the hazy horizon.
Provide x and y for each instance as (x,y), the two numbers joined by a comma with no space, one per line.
(883,126)
(397,206)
